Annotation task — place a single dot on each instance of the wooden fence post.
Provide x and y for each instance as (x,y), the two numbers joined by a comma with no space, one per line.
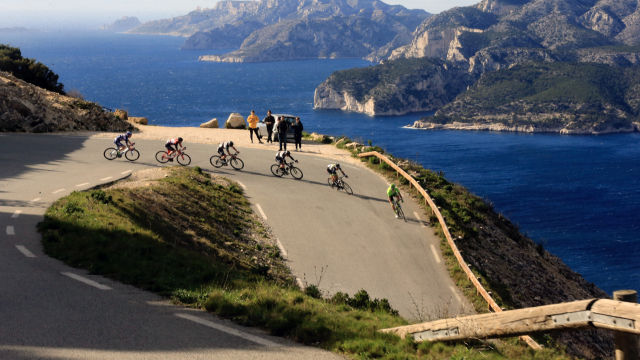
(626,344)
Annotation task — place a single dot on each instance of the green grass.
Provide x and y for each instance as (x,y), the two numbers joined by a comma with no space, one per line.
(194,238)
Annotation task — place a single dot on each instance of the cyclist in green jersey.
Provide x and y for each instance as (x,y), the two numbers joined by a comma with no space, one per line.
(391,192)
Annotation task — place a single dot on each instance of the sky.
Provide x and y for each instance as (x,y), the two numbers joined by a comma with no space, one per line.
(83,14)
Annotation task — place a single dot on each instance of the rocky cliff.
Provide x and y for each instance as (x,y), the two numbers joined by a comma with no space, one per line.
(228,36)
(28,108)
(393,88)
(122,25)
(569,98)
(335,37)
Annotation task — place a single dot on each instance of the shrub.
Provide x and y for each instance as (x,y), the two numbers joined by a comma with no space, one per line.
(313,291)
(235,189)
(29,70)
(76,94)
(102,197)
(384,166)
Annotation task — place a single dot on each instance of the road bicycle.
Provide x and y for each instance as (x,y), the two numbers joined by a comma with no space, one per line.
(289,168)
(340,185)
(235,162)
(130,154)
(399,211)
(183,159)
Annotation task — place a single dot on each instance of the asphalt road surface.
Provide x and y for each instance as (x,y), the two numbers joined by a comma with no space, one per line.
(336,241)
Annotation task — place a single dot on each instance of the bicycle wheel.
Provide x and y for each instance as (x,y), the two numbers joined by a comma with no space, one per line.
(237,164)
(110,154)
(132,155)
(184,159)
(296,173)
(330,182)
(401,213)
(275,169)
(347,188)
(160,156)
(215,161)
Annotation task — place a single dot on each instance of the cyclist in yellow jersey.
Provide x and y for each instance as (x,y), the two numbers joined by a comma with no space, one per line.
(391,192)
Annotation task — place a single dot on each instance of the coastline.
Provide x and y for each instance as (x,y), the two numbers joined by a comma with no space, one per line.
(422,125)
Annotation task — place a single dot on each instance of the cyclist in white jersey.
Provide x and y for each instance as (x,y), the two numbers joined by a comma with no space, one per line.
(225,146)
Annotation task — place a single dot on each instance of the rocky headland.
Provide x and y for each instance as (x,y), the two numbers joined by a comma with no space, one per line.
(17,30)
(27,108)
(126,23)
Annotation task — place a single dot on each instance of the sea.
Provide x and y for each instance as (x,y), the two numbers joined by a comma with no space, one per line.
(577,195)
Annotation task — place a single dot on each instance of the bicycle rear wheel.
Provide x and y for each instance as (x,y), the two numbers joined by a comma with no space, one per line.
(296,173)
(275,169)
(215,161)
(110,153)
(237,164)
(161,157)
(132,155)
(347,188)
(330,182)
(184,159)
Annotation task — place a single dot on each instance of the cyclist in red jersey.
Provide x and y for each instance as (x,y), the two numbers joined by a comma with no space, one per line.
(170,146)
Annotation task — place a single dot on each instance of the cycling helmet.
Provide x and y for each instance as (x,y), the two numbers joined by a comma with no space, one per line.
(179,139)
(230,143)
(129,133)
(288,152)
(393,186)
(338,166)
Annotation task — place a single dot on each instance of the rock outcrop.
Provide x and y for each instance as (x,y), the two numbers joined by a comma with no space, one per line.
(235,121)
(121,25)
(138,120)
(393,88)
(211,124)
(28,108)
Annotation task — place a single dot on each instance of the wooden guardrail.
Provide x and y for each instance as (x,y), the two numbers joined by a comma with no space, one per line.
(428,201)
(620,316)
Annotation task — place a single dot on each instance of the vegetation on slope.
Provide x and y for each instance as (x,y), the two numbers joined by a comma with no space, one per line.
(29,70)
(193,237)
(573,95)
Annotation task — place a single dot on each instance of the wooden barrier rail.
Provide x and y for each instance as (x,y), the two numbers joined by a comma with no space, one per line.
(619,316)
(428,201)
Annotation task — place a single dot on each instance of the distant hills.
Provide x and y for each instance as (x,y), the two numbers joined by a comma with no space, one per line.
(271,30)
(15,30)
(122,25)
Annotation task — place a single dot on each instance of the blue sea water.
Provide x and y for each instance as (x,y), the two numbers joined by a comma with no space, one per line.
(579,195)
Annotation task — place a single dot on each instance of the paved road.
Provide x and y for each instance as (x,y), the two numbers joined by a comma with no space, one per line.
(48,310)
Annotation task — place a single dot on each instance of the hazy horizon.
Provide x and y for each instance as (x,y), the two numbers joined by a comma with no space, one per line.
(91,14)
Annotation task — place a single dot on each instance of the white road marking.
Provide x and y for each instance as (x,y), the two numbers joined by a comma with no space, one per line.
(241,184)
(228,330)
(418,217)
(83,184)
(86,281)
(453,290)
(25,251)
(34,200)
(126,172)
(16,214)
(282,250)
(261,212)
(435,253)
(57,191)
(107,178)
(10,230)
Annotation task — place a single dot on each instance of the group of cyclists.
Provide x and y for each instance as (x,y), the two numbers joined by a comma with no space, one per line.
(281,158)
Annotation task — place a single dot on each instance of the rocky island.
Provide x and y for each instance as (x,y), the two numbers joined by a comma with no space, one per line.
(122,25)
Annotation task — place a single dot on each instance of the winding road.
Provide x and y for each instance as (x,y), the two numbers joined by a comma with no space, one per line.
(336,241)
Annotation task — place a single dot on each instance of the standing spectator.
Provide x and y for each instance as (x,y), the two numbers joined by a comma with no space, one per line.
(253,126)
(270,121)
(297,133)
(282,127)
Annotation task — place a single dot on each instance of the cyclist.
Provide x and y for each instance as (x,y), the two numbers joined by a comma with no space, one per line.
(332,170)
(281,157)
(125,138)
(391,192)
(170,146)
(225,146)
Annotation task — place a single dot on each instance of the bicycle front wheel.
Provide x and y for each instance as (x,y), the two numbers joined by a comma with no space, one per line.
(401,213)
(184,159)
(215,161)
(275,169)
(110,153)
(347,188)
(132,155)
(237,164)
(161,156)
(296,173)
